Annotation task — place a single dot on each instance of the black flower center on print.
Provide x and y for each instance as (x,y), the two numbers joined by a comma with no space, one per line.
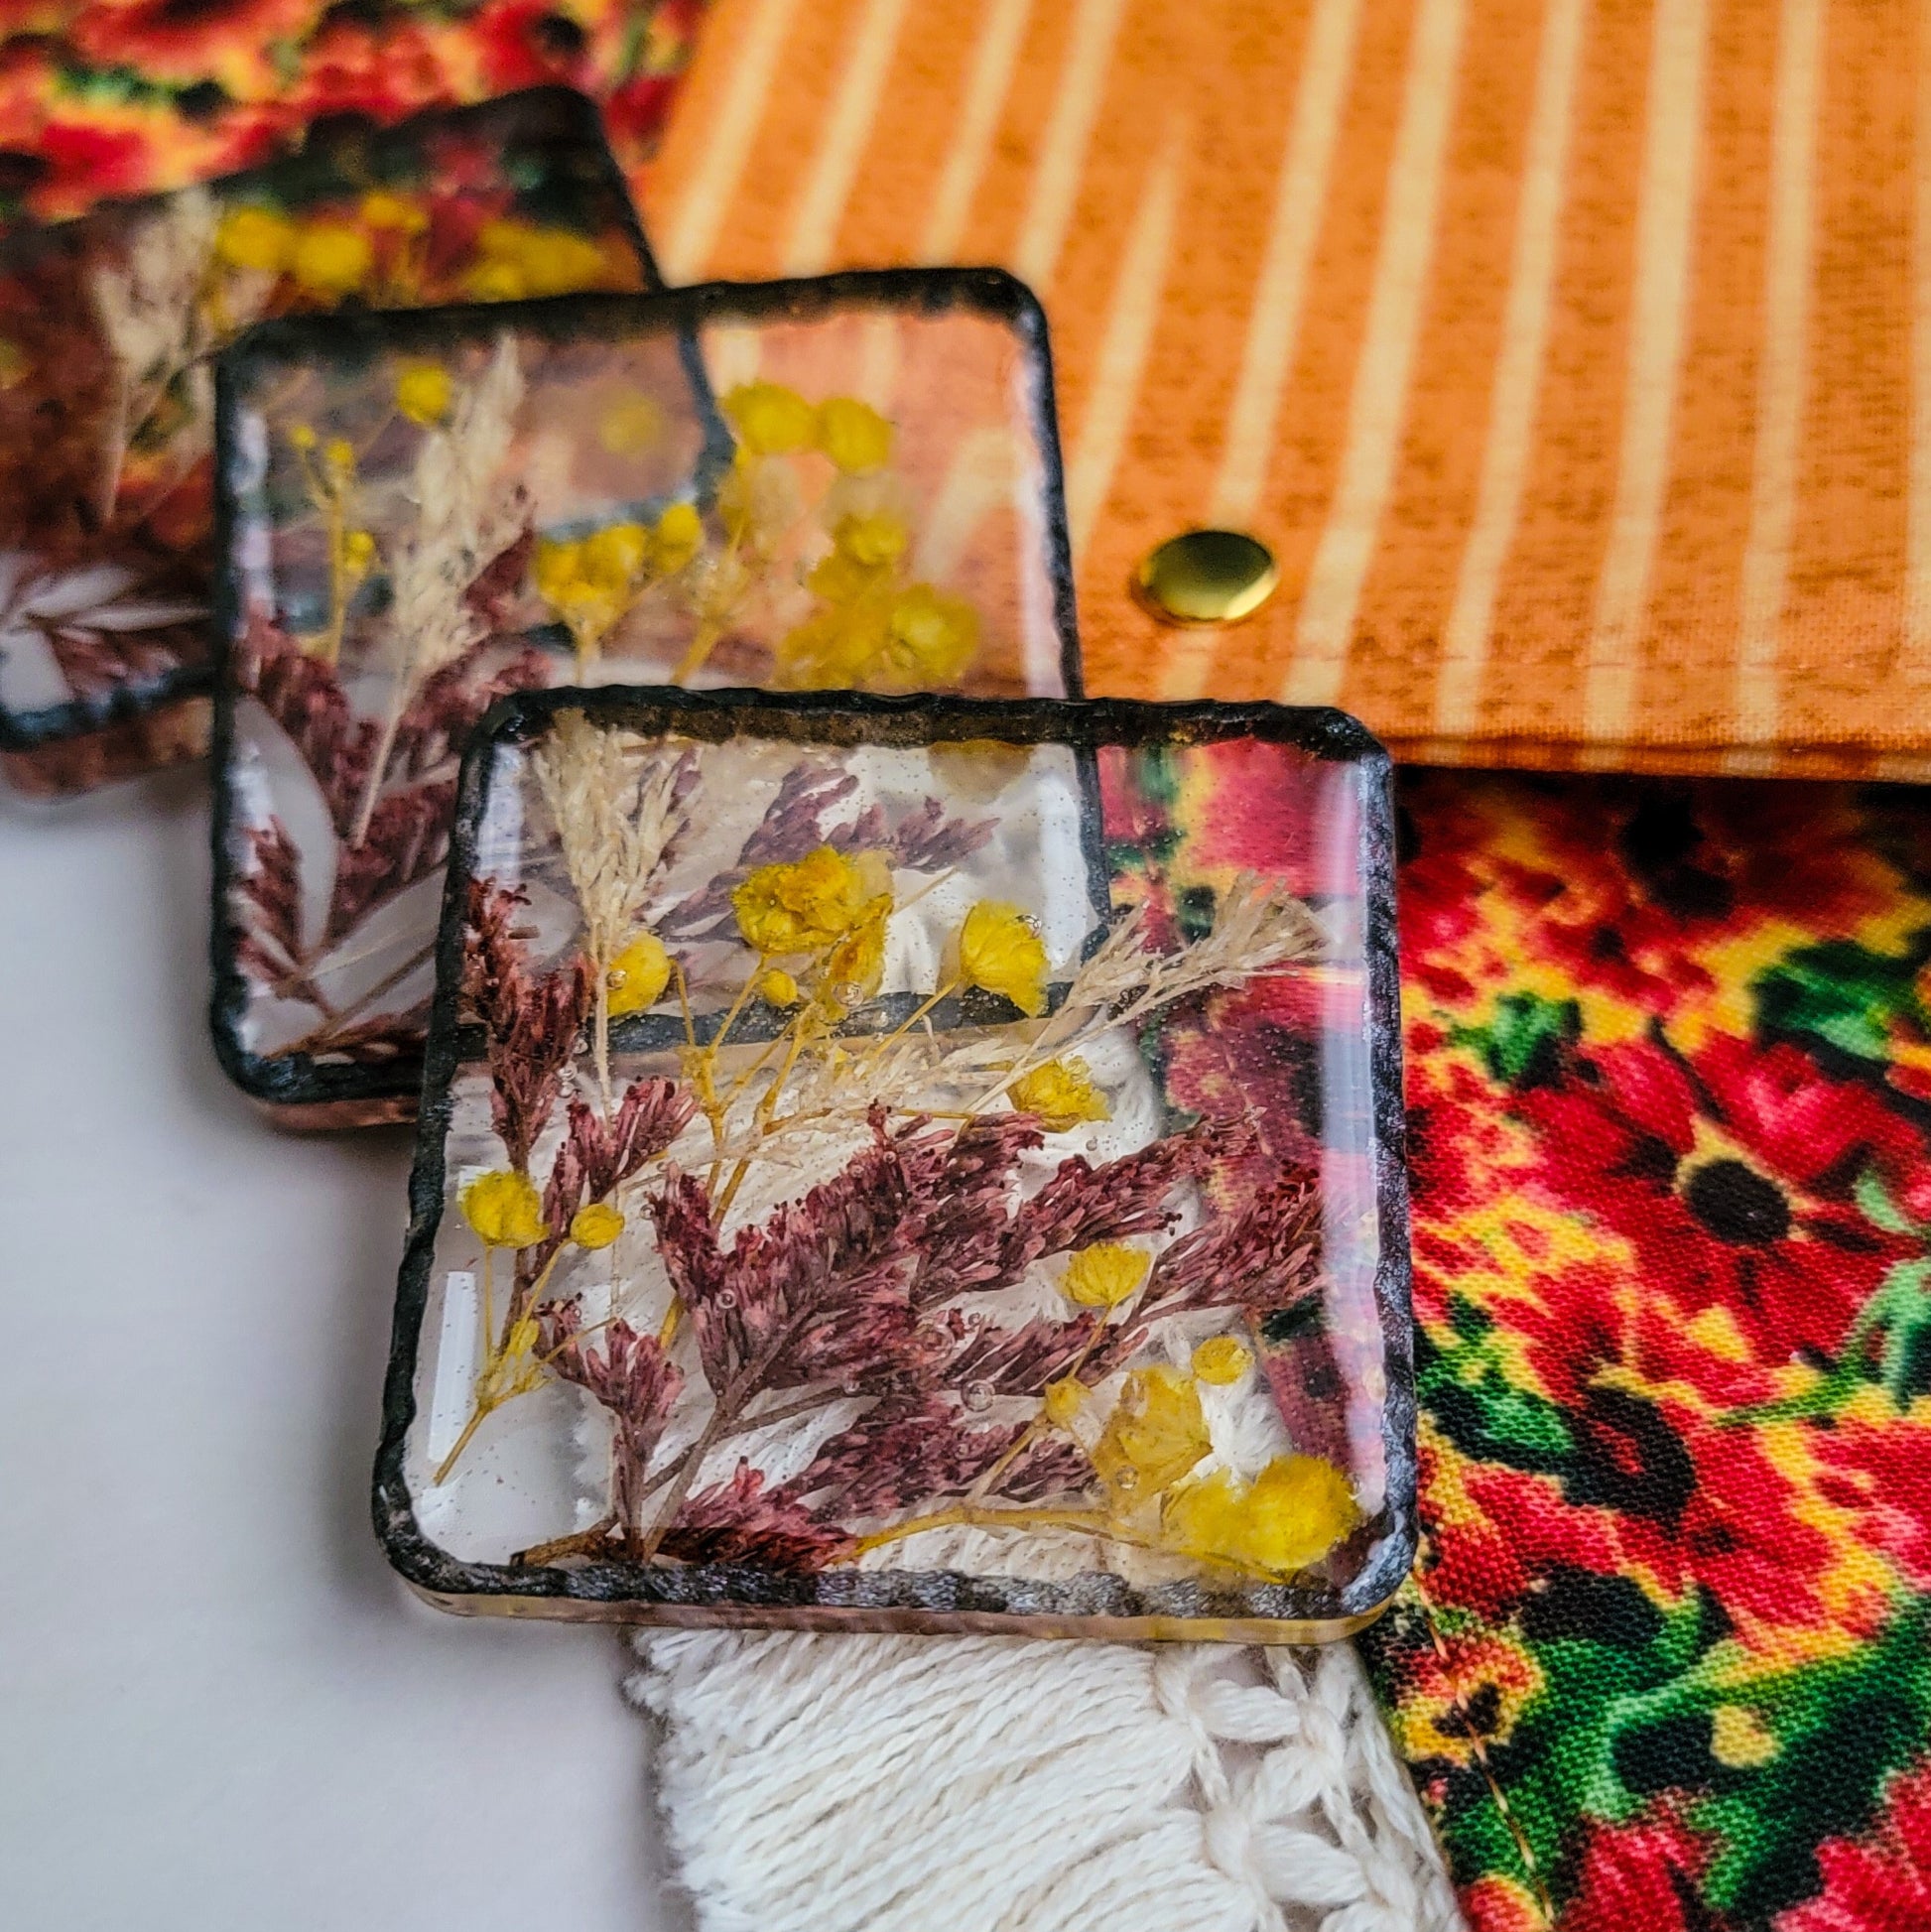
(1737,1205)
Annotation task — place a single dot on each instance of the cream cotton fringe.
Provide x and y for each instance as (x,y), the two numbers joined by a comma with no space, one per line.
(978,1784)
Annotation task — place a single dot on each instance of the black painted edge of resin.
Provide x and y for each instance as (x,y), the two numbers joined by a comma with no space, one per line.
(295,1080)
(577,120)
(945,1598)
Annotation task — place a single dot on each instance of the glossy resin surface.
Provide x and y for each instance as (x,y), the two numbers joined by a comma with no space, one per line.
(921,1165)
(108,326)
(851,481)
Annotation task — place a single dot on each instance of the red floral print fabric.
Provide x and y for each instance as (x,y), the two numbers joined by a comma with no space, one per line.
(1665,1664)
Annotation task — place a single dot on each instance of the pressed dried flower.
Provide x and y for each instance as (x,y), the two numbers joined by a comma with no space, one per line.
(382,209)
(1058,1096)
(677,538)
(999,952)
(931,639)
(521,260)
(1291,1515)
(872,541)
(771,420)
(504,1209)
(595,1226)
(778,988)
(638,975)
(853,435)
(854,966)
(1104,1275)
(424,392)
(808,905)
(1221,1360)
(1064,1399)
(1155,1436)
(330,258)
(591,582)
(255,238)
(359,552)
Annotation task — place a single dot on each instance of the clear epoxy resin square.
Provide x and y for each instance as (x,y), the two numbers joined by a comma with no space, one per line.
(914,1164)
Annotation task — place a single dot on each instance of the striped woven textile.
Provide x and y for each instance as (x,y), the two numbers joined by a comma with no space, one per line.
(1573,355)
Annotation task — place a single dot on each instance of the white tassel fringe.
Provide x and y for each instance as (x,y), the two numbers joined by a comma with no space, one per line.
(978,1784)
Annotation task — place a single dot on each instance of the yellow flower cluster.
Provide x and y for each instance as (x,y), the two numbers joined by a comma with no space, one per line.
(505,1210)
(872,630)
(1060,1095)
(516,259)
(1155,1436)
(637,977)
(773,421)
(813,903)
(424,392)
(1104,1275)
(591,582)
(334,255)
(1291,1515)
(595,1226)
(1222,1361)
(1000,953)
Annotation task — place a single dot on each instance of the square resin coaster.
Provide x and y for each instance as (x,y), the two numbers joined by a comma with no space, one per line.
(913,1164)
(107,328)
(851,481)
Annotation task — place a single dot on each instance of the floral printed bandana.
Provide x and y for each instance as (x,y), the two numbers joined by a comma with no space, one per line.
(1665,1664)
(132,96)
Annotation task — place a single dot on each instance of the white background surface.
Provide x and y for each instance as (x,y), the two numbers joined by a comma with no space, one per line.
(220,1710)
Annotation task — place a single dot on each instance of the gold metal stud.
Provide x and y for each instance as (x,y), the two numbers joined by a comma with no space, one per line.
(1206,576)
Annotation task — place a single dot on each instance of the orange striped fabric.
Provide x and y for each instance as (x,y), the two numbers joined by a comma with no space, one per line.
(1573,355)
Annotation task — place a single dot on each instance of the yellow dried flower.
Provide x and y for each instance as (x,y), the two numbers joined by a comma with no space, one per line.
(523,1338)
(424,392)
(806,906)
(677,538)
(853,435)
(1291,1515)
(771,420)
(1155,1436)
(999,952)
(872,541)
(301,437)
(1104,1275)
(776,989)
(1064,1399)
(338,459)
(495,282)
(931,639)
(631,425)
(595,1226)
(505,1209)
(589,582)
(255,238)
(358,551)
(332,258)
(638,976)
(553,261)
(1221,1360)
(381,210)
(1061,1094)
(855,964)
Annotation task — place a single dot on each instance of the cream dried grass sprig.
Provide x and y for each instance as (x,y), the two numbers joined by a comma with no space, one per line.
(617,817)
(152,315)
(466,512)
